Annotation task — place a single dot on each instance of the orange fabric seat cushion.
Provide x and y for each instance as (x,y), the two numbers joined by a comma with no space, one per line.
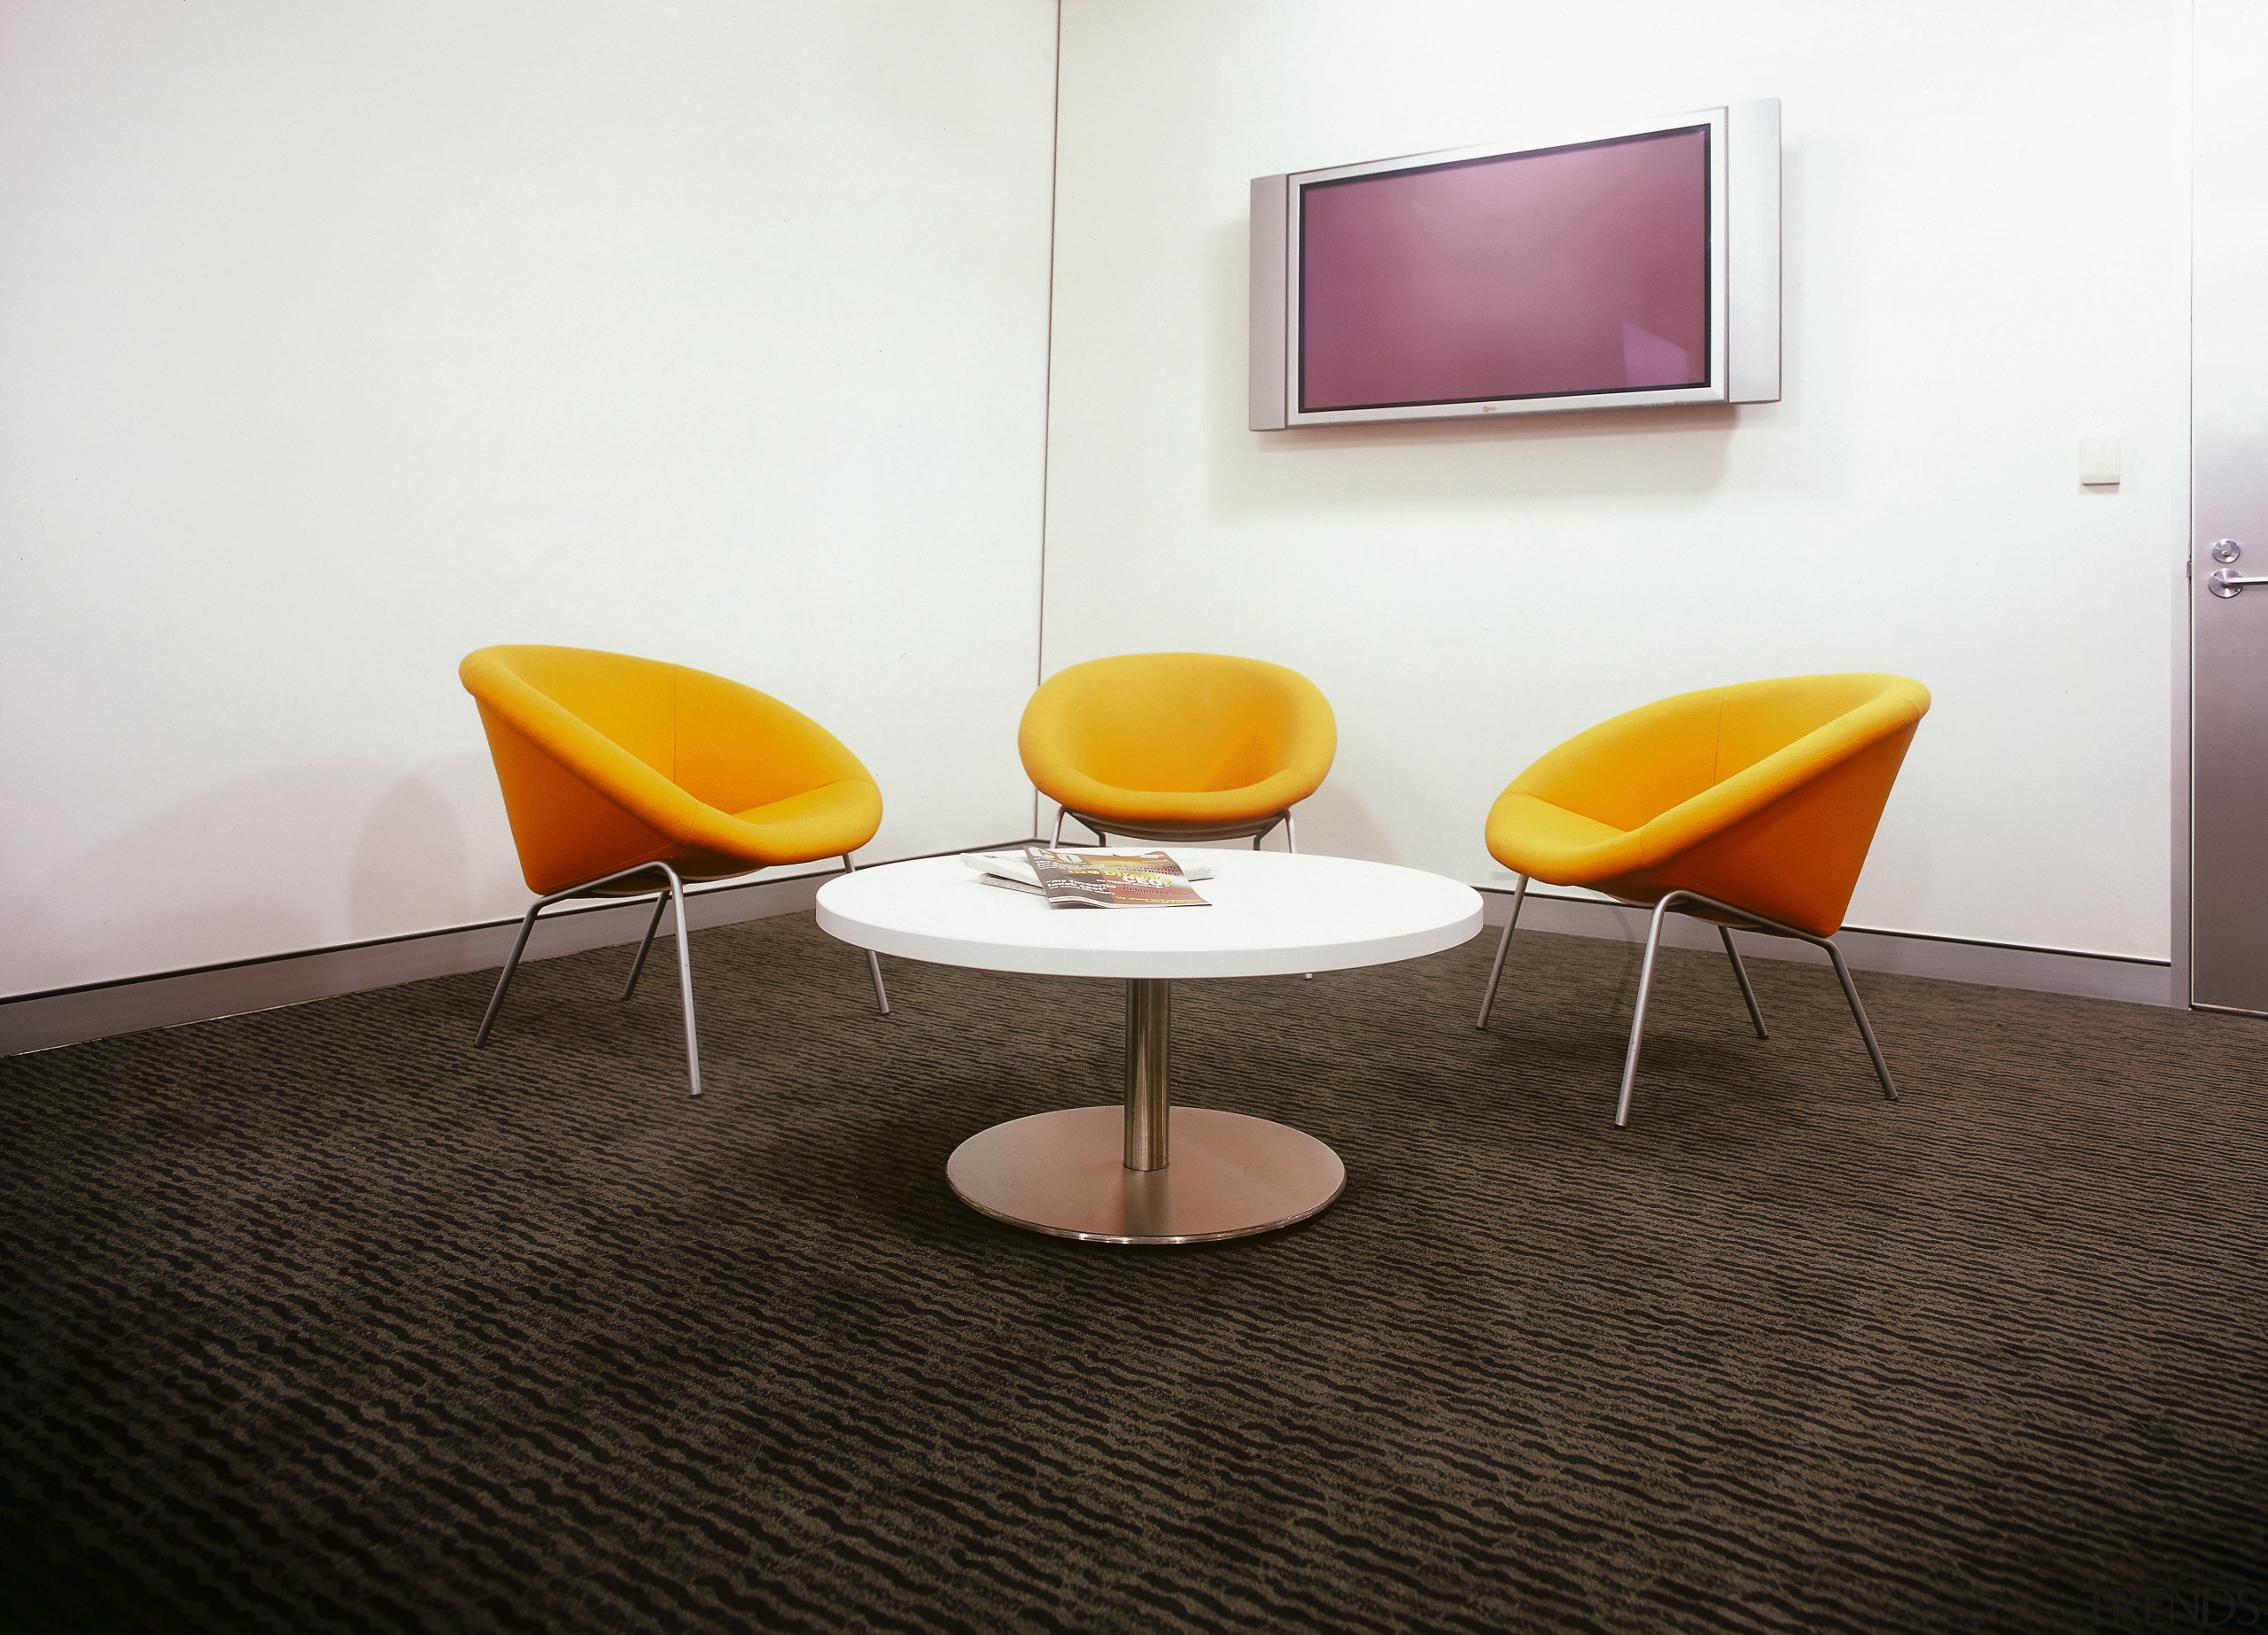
(1764,794)
(1177,738)
(608,760)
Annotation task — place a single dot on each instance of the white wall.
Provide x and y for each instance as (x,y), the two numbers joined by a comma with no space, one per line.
(1986,229)
(336,341)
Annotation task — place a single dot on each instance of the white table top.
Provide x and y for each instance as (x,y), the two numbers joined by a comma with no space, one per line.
(1273,914)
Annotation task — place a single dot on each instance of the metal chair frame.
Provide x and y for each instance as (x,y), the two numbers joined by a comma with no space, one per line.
(1749,920)
(1258,828)
(672,894)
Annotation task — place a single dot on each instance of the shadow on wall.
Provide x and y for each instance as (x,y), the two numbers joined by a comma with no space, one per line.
(409,866)
(301,857)
(1573,457)
(1334,821)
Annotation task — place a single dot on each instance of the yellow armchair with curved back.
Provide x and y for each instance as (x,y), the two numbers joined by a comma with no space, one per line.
(1752,805)
(623,776)
(1178,746)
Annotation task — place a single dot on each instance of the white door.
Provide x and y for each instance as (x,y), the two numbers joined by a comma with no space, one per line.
(2228,620)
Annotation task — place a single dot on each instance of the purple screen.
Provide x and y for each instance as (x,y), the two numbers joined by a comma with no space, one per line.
(1570,270)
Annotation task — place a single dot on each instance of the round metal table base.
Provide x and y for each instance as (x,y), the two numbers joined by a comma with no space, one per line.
(1065,1174)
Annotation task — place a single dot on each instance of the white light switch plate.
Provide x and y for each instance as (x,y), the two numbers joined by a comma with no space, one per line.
(2099,463)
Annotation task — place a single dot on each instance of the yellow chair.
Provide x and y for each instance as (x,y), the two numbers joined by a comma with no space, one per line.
(1750,805)
(616,770)
(1178,746)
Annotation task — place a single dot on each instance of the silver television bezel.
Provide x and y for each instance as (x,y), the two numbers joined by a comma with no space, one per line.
(1743,273)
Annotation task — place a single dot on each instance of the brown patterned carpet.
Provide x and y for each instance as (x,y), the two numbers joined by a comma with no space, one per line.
(317,1320)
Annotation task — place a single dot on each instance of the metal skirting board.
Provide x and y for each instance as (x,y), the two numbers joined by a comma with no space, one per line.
(68,1016)
(167,999)
(1994,964)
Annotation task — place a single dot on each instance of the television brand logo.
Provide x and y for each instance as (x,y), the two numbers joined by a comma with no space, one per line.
(2202,1606)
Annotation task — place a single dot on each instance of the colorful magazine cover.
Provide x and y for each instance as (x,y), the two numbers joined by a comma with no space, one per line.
(1011,870)
(1147,880)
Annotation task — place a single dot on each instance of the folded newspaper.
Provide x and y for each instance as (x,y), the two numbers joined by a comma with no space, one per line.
(1091,880)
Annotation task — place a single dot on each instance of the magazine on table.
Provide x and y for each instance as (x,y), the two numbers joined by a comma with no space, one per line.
(1093,880)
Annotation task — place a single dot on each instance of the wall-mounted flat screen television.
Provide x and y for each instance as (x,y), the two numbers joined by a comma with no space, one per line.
(1612,268)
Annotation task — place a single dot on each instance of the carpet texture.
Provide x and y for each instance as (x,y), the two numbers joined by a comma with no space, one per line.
(319,1319)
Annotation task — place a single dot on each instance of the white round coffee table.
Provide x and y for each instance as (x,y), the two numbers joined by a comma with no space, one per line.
(1147,1173)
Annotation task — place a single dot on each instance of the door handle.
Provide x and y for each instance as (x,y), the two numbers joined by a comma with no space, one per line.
(2224,584)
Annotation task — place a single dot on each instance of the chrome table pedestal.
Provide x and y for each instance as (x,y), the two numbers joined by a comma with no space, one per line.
(1145,1173)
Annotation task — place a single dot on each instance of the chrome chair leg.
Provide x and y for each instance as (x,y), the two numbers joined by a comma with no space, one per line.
(1282,820)
(1772,927)
(1858,1011)
(685,976)
(1497,969)
(496,999)
(874,960)
(1638,1019)
(1741,972)
(673,892)
(661,902)
(1085,822)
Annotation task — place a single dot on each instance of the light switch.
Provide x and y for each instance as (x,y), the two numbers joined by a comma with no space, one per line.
(2099,463)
